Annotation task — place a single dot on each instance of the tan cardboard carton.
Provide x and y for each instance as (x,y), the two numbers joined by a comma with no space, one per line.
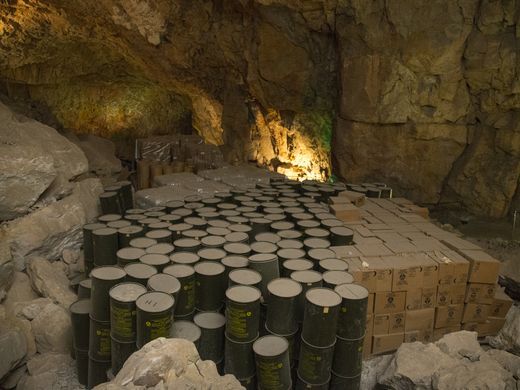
(381,323)
(429,297)
(370,324)
(443,295)
(407,273)
(370,304)
(449,315)
(371,272)
(414,299)
(367,342)
(389,302)
(429,269)
(483,267)
(339,200)
(494,324)
(480,293)
(453,268)
(397,322)
(357,198)
(412,336)
(362,275)
(383,273)
(500,305)
(422,319)
(346,212)
(372,246)
(475,312)
(440,332)
(457,293)
(387,342)
(470,326)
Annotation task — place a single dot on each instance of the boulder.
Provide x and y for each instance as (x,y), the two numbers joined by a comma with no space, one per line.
(507,360)
(13,344)
(372,371)
(461,344)
(20,290)
(50,280)
(6,266)
(11,381)
(30,309)
(52,330)
(48,231)
(50,371)
(32,157)
(509,336)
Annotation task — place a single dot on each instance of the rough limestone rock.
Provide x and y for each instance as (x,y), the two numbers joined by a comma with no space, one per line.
(507,360)
(172,364)
(20,290)
(50,281)
(52,330)
(31,309)
(32,157)
(461,344)
(372,371)
(13,344)
(6,266)
(50,371)
(48,231)
(509,336)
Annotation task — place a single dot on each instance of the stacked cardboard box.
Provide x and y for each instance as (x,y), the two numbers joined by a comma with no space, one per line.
(423,281)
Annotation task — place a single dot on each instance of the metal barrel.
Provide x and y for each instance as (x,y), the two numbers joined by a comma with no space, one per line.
(161,249)
(338,382)
(239,359)
(139,273)
(211,254)
(81,357)
(302,385)
(129,255)
(134,218)
(353,312)
(122,310)
(245,277)
(308,279)
(318,254)
(160,235)
(331,279)
(212,241)
(187,245)
(185,317)
(316,243)
(332,265)
(268,237)
(289,266)
(196,234)
(121,351)
(248,383)
(173,205)
(320,317)
(273,367)
(267,265)
(281,225)
(185,299)
(294,344)
(316,233)
(260,225)
(119,224)
(106,218)
(234,262)
(211,344)
(178,228)
(210,285)
(99,340)
(154,316)
(105,245)
(155,260)
(187,258)
(88,249)
(348,357)
(110,203)
(315,363)
(126,194)
(386,192)
(237,249)
(243,313)
(142,242)
(196,222)
(341,235)
(84,289)
(103,279)
(97,371)
(79,316)
(240,237)
(165,283)
(290,234)
(264,247)
(282,306)
(289,244)
(127,234)
(186,330)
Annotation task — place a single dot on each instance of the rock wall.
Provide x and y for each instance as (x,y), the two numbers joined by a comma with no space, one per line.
(421,94)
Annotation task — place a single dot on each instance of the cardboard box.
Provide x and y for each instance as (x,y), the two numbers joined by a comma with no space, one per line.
(483,267)
(357,198)
(387,342)
(362,275)
(457,293)
(501,304)
(407,273)
(440,332)
(370,304)
(381,323)
(425,336)
(367,342)
(413,299)
(397,322)
(371,272)
(449,315)
(494,324)
(475,312)
(370,324)
(346,212)
(443,294)
(339,200)
(429,297)
(429,269)
(480,293)
(383,273)
(453,268)
(389,302)
(422,319)
(470,326)
(372,247)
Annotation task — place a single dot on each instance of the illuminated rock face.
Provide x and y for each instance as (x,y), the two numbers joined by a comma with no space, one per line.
(422,94)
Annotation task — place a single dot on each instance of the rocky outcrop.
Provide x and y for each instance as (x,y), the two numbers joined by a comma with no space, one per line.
(509,336)
(50,370)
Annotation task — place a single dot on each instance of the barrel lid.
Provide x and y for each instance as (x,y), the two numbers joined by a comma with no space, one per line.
(290,244)
(175,204)
(237,248)
(209,215)
(180,227)
(218,223)
(245,276)
(86,283)
(308,224)
(154,214)
(317,232)
(148,220)
(227,206)
(235,261)
(107,273)
(171,218)
(213,241)
(236,227)
(80,307)
(158,234)
(351,291)
(211,200)
(159,225)
(264,247)
(194,233)
(179,270)
(211,254)
(205,210)
(209,320)
(306,277)
(209,268)
(322,216)
(140,271)
(316,243)
(243,294)
(291,253)
(162,248)
(155,301)
(294,210)
(342,231)
(133,229)
(337,277)
(184,257)
(218,231)
(275,217)
(120,223)
(134,217)
(298,264)
(324,297)
(164,282)
(303,216)
(130,253)
(127,292)
(124,183)
(289,234)
(253,215)
(282,225)
(194,205)
(156,208)
(104,232)
(236,237)
(108,194)
(268,237)
(186,243)
(94,226)
(260,221)
(238,219)
(270,346)
(196,221)
(262,257)
(182,211)
(284,288)
(333,265)
(186,330)
(229,213)
(135,211)
(142,242)
(331,223)
(154,259)
(321,253)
